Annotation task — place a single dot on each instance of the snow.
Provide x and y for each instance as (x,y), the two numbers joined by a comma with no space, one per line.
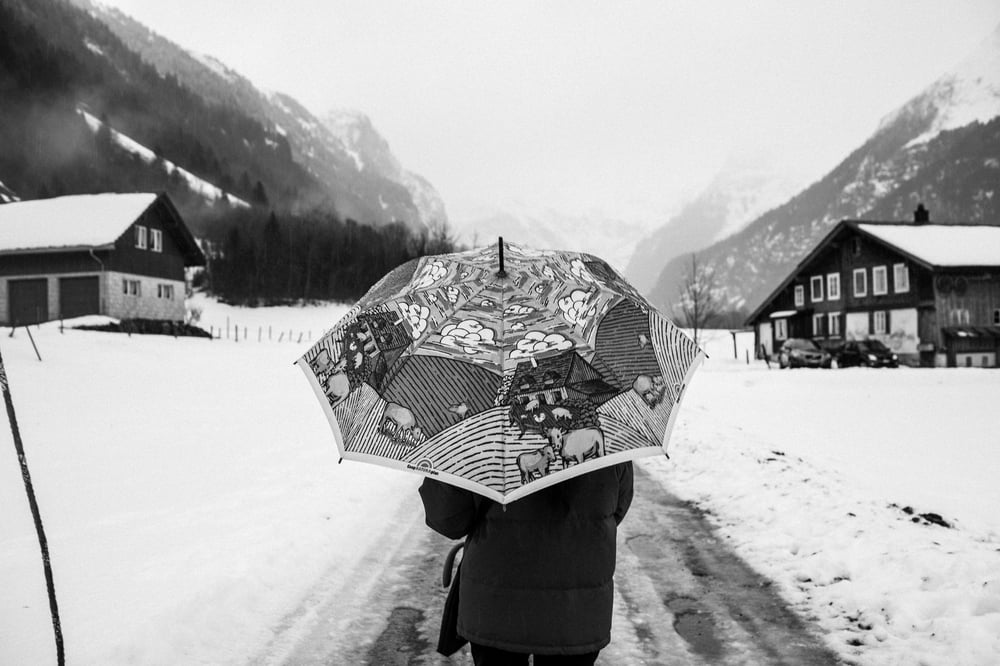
(967,94)
(192,497)
(199,185)
(81,220)
(943,245)
(214,65)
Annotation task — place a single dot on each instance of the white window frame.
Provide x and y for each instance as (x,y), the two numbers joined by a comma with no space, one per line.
(884,273)
(816,288)
(818,325)
(141,236)
(780,329)
(900,278)
(880,322)
(833,324)
(800,295)
(131,287)
(157,240)
(863,274)
(832,281)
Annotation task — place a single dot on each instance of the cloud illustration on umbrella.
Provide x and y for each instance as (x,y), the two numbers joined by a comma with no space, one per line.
(416,315)
(574,307)
(538,342)
(432,273)
(469,335)
(578,269)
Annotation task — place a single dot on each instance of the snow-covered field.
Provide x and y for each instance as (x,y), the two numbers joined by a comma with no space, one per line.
(191,494)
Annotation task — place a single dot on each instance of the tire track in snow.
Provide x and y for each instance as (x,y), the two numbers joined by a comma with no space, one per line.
(682,597)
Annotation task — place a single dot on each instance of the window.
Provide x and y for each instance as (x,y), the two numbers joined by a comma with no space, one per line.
(880,283)
(860,281)
(900,278)
(800,295)
(833,286)
(958,316)
(856,246)
(996,316)
(879,322)
(833,324)
(816,288)
(165,291)
(781,329)
(817,325)
(157,238)
(140,236)
(131,287)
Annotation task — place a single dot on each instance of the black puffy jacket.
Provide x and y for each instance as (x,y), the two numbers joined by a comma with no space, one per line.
(537,577)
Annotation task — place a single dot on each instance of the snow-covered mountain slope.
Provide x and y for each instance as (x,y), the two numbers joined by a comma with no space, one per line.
(744,189)
(7,195)
(366,195)
(915,155)
(370,150)
(967,94)
(209,191)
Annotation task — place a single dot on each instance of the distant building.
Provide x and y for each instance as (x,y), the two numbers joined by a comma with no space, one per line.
(929,291)
(120,255)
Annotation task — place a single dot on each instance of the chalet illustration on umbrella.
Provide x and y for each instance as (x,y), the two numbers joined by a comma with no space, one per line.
(501,370)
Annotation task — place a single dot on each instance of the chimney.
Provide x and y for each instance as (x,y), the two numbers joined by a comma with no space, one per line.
(921,215)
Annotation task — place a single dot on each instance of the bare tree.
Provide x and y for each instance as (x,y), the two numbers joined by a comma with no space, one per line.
(699,305)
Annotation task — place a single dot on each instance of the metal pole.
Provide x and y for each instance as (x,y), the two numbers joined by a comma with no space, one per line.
(35,514)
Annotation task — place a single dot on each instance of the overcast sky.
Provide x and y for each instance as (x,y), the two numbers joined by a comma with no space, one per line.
(589,104)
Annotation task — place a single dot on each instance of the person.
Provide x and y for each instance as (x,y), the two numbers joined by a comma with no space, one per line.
(537,574)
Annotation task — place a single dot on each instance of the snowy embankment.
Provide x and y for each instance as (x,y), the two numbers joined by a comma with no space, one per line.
(191,494)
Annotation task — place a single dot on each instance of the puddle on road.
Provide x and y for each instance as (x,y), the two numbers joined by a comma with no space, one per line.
(696,626)
(401,643)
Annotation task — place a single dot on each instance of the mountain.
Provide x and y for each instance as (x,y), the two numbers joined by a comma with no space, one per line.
(367,195)
(941,148)
(370,151)
(609,235)
(742,190)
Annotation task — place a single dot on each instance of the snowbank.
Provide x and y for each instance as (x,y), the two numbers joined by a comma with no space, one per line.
(192,497)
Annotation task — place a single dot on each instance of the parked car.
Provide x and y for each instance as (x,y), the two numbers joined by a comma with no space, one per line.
(872,353)
(801,353)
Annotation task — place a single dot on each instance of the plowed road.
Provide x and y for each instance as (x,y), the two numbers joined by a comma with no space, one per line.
(682,597)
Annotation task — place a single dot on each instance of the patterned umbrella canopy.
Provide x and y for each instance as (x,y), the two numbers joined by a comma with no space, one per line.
(501,370)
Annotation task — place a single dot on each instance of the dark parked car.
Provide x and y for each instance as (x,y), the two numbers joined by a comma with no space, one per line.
(802,353)
(872,353)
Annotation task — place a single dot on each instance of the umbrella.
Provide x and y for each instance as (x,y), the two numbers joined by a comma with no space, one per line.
(502,370)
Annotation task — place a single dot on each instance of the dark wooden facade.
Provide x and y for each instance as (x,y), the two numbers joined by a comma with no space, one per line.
(936,316)
(46,283)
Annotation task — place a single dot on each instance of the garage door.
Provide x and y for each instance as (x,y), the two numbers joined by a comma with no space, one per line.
(78,296)
(29,301)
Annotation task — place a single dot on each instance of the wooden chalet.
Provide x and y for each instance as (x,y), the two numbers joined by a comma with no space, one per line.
(119,255)
(558,378)
(931,292)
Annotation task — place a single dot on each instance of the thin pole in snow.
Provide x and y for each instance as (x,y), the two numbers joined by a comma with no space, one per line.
(33,345)
(35,514)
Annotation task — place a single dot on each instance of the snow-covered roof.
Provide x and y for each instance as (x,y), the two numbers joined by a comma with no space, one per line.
(942,245)
(76,221)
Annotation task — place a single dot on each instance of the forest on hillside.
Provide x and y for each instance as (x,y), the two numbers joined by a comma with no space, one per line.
(263,258)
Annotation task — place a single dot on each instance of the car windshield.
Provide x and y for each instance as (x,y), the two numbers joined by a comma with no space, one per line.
(873,345)
(806,345)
